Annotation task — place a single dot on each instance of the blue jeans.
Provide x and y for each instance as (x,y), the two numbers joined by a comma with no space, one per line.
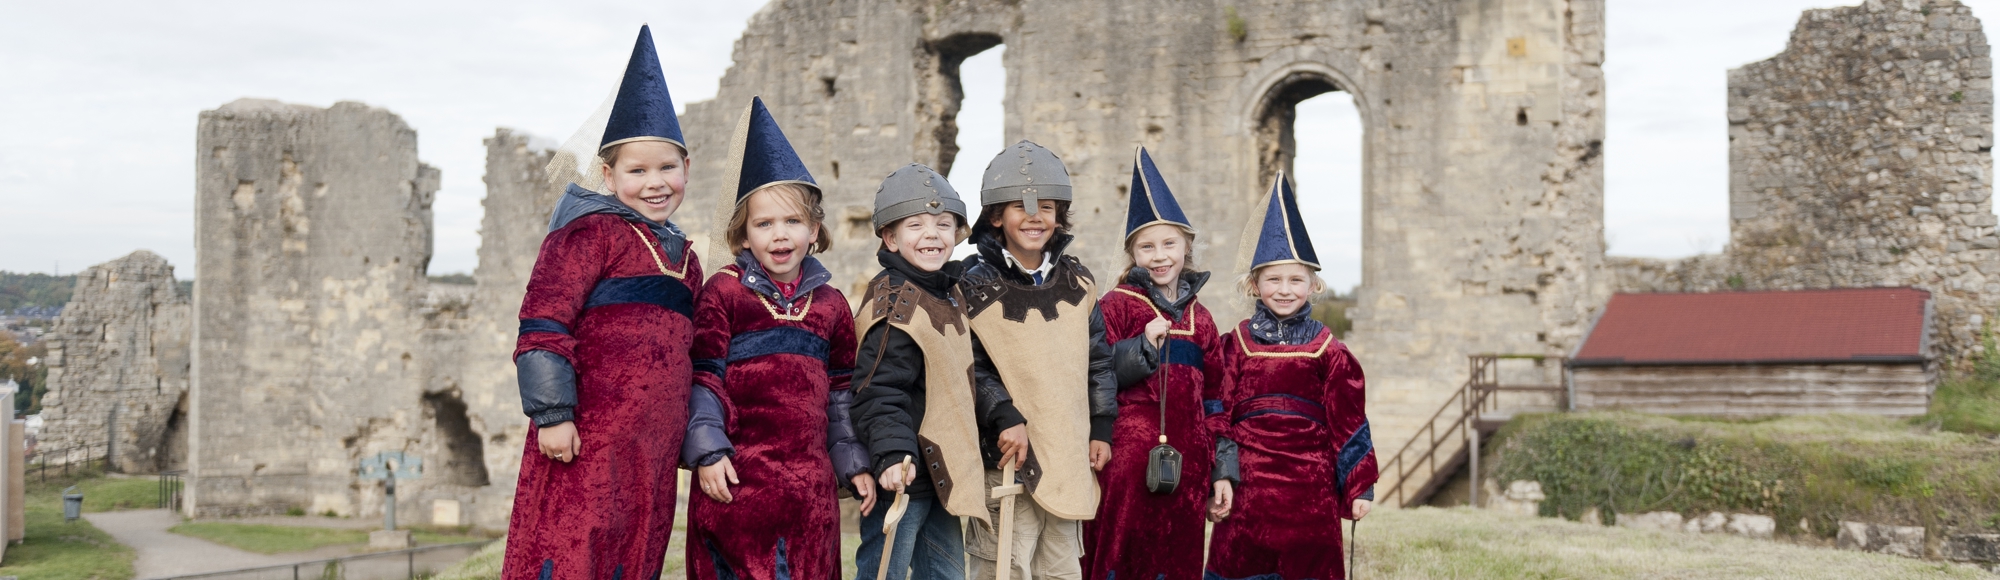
(929,544)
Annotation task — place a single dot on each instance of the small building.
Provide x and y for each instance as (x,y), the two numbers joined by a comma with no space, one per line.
(1745,354)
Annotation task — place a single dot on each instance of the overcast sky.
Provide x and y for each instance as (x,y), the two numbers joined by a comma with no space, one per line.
(98,104)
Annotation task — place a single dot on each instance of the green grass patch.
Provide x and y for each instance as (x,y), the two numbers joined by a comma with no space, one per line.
(1469,544)
(272,539)
(1965,405)
(1465,544)
(54,550)
(106,495)
(1821,469)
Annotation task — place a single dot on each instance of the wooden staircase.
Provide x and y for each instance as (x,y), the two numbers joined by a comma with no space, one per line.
(1442,445)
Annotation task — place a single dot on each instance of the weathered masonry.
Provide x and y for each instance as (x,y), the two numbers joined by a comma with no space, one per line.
(313,232)
(1483,130)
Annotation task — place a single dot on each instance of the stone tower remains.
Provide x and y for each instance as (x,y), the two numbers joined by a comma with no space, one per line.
(118,360)
(313,228)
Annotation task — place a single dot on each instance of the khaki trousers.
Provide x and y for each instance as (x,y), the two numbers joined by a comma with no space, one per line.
(1046,547)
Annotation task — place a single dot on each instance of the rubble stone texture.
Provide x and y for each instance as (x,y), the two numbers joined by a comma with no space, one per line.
(1905,541)
(1483,125)
(313,229)
(518,203)
(121,343)
(1861,156)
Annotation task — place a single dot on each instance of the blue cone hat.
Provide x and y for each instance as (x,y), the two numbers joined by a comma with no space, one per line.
(1282,237)
(643,110)
(759,154)
(1151,203)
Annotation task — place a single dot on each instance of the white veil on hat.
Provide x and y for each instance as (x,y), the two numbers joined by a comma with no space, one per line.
(576,160)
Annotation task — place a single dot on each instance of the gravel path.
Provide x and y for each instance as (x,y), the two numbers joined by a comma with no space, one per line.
(164,554)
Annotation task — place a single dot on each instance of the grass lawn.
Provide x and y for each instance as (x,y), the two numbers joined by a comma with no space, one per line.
(105,494)
(269,539)
(55,550)
(486,563)
(1464,543)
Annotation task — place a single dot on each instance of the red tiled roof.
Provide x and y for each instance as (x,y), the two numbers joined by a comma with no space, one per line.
(1840,325)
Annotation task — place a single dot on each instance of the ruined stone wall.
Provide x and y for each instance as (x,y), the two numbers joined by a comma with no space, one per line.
(1483,127)
(1861,156)
(313,229)
(121,343)
(481,381)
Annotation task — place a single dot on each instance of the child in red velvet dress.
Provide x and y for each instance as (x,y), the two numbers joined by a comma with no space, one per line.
(774,348)
(1296,397)
(1165,348)
(603,353)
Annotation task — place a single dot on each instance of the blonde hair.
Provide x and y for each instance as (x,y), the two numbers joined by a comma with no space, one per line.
(796,197)
(609,156)
(1247,283)
(1187,258)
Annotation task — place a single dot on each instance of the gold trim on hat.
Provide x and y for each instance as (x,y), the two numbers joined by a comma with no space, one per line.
(601,148)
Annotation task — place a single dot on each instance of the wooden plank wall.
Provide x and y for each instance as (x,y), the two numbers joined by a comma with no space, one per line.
(1897,390)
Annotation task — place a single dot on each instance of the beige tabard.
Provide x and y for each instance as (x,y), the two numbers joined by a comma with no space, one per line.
(949,437)
(1039,340)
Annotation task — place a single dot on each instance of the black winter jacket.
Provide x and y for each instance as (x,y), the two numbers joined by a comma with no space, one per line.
(988,387)
(889,405)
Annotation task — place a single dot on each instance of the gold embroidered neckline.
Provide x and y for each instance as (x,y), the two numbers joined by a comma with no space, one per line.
(648,243)
(1156,310)
(804,307)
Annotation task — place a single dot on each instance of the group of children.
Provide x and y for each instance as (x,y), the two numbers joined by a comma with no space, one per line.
(1126,419)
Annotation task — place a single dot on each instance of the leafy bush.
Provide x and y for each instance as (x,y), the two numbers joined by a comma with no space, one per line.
(1821,469)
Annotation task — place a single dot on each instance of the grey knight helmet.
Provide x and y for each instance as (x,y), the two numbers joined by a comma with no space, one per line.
(912,190)
(1027,173)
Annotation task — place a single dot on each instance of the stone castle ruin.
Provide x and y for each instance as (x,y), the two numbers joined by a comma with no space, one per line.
(315,338)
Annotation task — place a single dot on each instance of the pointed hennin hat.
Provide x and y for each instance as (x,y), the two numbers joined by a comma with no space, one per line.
(1152,203)
(638,109)
(643,110)
(759,155)
(1281,238)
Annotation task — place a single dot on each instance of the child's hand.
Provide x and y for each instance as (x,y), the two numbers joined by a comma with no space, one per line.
(716,479)
(898,476)
(864,486)
(1100,454)
(1221,501)
(1014,445)
(1156,331)
(559,441)
(1361,507)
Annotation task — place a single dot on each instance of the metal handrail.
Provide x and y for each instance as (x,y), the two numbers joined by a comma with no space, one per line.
(1479,394)
(1429,458)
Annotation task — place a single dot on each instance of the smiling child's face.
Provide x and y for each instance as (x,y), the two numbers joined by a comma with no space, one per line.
(648,176)
(1162,250)
(1284,288)
(1026,235)
(924,240)
(778,233)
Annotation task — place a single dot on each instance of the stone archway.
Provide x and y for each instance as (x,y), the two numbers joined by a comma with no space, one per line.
(1270,119)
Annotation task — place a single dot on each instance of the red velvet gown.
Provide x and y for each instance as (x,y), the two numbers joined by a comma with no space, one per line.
(1305,452)
(784,522)
(1138,534)
(597,297)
